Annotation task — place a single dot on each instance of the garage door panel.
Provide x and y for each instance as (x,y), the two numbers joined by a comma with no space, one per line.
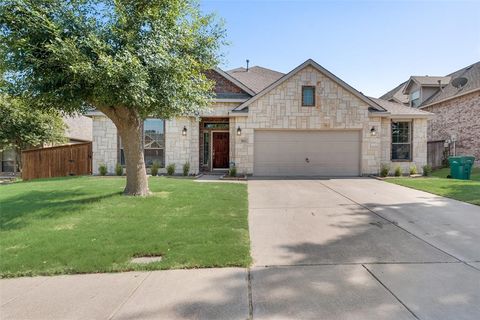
(307,153)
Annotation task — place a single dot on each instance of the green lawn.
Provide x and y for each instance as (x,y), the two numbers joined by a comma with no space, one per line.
(84,224)
(468,191)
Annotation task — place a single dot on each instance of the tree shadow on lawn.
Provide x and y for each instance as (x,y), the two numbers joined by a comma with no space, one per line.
(17,210)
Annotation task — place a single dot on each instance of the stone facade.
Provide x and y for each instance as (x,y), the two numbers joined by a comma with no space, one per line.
(458,117)
(105,144)
(335,109)
(180,149)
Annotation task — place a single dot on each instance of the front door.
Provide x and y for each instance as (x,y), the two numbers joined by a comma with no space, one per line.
(220,150)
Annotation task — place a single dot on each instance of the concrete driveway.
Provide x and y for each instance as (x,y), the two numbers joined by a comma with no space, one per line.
(362,249)
(322,249)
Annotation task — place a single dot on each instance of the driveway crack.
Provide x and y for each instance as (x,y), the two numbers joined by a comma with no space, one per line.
(393,223)
(391,292)
(250,295)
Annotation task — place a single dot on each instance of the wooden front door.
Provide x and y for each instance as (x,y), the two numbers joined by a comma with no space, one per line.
(220,154)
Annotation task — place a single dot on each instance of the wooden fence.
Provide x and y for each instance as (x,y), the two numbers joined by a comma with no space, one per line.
(436,153)
(60,161)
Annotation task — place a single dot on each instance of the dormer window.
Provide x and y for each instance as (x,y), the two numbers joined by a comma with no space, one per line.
(415,98)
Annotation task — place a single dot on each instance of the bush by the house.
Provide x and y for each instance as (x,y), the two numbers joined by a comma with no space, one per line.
(186,168)
(171,169)
(118,169)
(154,169)
(413,169)
(398,171)
(102,170)
(232,172)
(427,170)
(384,169)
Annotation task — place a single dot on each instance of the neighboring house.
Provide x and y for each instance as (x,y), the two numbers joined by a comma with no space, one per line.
(307,123)
(79,129)
(455,101)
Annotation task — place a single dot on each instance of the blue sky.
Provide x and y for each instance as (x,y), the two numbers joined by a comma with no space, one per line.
(373,46)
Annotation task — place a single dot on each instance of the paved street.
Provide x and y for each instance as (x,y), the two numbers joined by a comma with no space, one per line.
(322,249)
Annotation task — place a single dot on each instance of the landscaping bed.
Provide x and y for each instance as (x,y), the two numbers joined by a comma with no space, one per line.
(438,183)
(85,225)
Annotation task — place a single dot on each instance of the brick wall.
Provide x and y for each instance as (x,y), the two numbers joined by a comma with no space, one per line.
(223,85)
(460,117)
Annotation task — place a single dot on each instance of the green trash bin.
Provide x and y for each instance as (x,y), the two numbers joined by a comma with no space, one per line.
(469,161)
(461,167)
(456,167)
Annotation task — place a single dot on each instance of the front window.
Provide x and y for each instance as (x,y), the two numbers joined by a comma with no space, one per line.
(206,147)
(402,141)
(216,125)
(308,96)
(153,143)
(415,98)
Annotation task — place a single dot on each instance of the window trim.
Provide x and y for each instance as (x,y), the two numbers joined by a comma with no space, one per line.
(303,100)
(419,98)
(119,144)
(410,143)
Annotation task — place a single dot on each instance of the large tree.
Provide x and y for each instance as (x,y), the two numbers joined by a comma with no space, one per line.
(130,59)
(22,128)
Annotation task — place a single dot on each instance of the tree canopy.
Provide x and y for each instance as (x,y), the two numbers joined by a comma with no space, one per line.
(130,59)
(21,127)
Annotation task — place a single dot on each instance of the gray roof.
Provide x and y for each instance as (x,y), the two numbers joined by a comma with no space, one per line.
(430,81)
(256,78)
(398,109)
(471,73)
(396,94)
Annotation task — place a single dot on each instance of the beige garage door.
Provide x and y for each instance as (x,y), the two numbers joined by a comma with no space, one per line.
(307,153)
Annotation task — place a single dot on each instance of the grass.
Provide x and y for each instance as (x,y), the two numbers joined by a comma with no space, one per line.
(463,190)
(85,225)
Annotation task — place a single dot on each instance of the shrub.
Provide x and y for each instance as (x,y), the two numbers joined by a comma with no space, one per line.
(102,169)
(232,172)
(154,168)
(118,169)
(186,168)
(398,171)
(384,169)
(413,169)
(427,170)
(171,169)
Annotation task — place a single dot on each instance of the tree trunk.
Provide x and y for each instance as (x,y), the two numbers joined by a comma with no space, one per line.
(129,126)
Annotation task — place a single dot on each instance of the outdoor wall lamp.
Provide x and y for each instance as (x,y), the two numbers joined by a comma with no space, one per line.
(239,131)
(373,131)
(184,131)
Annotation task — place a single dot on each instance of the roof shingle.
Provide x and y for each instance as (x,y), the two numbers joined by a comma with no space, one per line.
(256,78)
(398,109)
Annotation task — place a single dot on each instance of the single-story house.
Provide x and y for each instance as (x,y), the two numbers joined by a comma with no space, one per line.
(307,122)
(455,101)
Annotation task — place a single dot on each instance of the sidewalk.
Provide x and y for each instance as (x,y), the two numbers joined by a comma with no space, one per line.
(173,294)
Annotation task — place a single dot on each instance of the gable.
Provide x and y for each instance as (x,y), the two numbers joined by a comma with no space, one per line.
(330,97)
(226,88)
(327,74)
